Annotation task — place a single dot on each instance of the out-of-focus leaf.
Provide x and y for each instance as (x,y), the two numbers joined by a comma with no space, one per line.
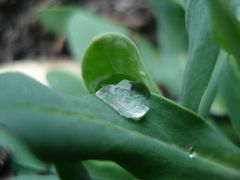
(211,90)
(202,55)
(149,56)
(230,88)
(22,156)
(35,177)
(66,82)
(56,18)
(106,170)
(111,58)
(64,128)
(225,27)
(173,43)
(81,26)
(72,170)
(218,107)
(182,3)
(82,29)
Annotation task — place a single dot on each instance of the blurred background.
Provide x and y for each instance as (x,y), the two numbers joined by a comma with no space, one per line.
(23,37)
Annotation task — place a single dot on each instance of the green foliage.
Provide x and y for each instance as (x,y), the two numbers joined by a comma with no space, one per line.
(65,126)
(202,55)
(225,26)
(117,59)
(66,82)
(172,38)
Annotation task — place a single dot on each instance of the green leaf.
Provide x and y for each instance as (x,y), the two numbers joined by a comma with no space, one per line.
(72,170)
(70,20)
(202,55)
(172,38)
(149,55)
(212,88)
(35,177)
(90,26)
(66,82)
(106,170)
(56,18)
(64,128)
(225,27)
(230,88)
(111,58)
(22,156)
(181,3)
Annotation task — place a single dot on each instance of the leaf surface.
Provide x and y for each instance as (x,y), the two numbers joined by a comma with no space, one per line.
(66,82)
(172,39)
(59,127)
(202,54)
(111,58)
(226,26)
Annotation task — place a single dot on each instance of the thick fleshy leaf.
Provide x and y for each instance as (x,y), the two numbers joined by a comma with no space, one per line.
(202,55)
(81,26)
(172,38)
(111,58)
(64,128)
(66,82)
(82,29)
(225,26)
(230,88)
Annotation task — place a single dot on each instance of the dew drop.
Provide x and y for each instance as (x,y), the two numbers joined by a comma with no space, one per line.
(127,98)
(191,151)
(193,155)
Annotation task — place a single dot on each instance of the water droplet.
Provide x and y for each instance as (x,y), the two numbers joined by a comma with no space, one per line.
(127,98)
(193,155)
(191,151)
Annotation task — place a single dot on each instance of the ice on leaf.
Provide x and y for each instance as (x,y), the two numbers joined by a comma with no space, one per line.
(127,98)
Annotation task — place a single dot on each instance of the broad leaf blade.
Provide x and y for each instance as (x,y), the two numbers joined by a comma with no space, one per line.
(111,58)
(66,82)
(73,128)
(202,55)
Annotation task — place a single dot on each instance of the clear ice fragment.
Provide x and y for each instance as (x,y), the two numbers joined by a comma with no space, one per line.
(125,99)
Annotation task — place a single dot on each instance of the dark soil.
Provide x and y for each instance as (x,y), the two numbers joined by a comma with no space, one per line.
(21,37)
